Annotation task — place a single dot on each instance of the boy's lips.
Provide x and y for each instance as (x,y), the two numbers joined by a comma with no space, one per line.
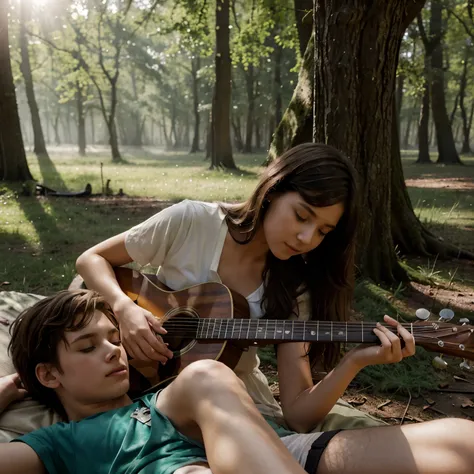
(118,371)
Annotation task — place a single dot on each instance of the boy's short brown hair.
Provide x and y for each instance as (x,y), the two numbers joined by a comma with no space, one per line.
(37,332)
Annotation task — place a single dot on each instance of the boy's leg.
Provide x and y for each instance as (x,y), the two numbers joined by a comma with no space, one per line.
(208,402)
(434,447)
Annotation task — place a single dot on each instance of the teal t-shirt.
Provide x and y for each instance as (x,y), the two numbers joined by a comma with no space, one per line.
(129,440)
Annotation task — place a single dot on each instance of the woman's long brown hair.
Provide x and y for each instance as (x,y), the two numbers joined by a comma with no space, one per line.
(323,176)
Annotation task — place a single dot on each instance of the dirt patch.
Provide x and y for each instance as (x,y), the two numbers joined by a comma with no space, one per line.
(459,299)
(441,183)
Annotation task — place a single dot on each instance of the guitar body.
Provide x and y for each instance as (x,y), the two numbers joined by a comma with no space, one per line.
(207,300)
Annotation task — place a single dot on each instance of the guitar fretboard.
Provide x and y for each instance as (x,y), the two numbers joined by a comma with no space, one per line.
(274,330)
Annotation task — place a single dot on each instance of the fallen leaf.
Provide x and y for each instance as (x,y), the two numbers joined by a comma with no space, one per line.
(357,400)
(430,401)
(4,283)
(467,405)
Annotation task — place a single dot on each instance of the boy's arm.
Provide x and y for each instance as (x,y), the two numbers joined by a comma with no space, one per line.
(19,458)
(16,458)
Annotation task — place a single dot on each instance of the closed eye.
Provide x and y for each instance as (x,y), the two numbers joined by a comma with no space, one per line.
(87,349)
(299,217)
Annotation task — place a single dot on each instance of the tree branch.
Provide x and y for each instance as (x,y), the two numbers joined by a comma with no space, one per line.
(463,23)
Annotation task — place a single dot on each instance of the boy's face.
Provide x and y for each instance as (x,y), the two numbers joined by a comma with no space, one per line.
(94,364)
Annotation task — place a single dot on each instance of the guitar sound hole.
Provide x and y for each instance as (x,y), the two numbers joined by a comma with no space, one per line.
(181,335)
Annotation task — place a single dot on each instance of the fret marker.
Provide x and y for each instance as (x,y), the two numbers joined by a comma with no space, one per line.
(313,333)
(279,331)
(340,333)
(287,332)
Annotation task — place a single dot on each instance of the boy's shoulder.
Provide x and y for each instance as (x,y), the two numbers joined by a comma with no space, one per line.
(80,440)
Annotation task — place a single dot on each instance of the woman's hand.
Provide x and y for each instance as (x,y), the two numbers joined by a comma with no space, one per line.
(139,331)
(390,349)
(11,390)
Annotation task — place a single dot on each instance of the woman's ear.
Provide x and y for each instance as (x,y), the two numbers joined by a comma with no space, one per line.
(47,375)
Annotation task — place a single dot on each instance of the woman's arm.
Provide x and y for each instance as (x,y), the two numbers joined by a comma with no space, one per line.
(96,267)
(19,458)
(304,404)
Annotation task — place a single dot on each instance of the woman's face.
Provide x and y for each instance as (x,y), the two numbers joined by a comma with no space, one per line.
(292,226)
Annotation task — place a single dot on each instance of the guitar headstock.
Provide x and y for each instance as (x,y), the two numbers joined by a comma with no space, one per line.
(444,337)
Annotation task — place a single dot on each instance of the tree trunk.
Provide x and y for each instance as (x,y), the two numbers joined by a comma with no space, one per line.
(277,82)
(368,137)
(13,164)
(304,23)
(195,67)
(447,152)
(57,139)
(91,115)
(239,144)
(258,133)
(372,46)
(296,125)
(137,136)
(455,108)
(423,124)
(81,121)
(466,146)
(249,125)
(400,84)
(221,145)
(25,68)
(209,136)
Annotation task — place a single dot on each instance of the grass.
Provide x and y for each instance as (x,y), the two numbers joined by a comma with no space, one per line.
(40,238)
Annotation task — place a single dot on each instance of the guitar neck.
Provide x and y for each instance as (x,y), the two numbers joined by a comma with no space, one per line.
(274,331)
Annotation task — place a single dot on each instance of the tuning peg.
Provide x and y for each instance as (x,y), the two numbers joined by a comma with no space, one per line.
(422,313)
(465,365)
(446,314)
(439,363)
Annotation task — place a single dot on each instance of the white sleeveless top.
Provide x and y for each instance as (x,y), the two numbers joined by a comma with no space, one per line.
(185,241)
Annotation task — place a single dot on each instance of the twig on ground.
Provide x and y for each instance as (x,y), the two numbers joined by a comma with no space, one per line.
(406,409)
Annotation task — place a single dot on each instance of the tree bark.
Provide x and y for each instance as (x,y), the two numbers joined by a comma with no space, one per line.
(365,38)
(296,125)
(400,84)
(277,82)
(406,138)
(447,152)
(423,124)
(195,67)
(304,23)
(221,155)
(81,121)
(25,68)
(13,164)
(249,124)
(239,144)
(137,121)
(466,146)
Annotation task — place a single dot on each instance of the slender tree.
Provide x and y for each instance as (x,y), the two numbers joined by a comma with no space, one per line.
(13,164)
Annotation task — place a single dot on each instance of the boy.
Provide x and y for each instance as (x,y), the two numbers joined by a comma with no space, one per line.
(68,354)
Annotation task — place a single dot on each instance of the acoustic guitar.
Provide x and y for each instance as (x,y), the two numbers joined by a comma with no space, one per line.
(210,321)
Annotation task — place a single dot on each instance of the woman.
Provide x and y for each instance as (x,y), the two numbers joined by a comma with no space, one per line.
(289,249)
